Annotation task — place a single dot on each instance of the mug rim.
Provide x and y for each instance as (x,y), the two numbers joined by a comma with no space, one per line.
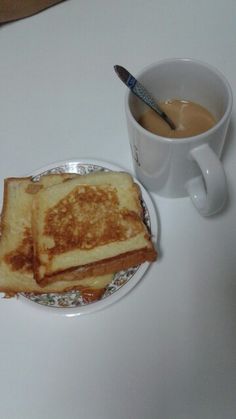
(201,136)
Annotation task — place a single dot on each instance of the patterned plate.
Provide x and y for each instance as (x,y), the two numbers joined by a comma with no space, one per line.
(72,303)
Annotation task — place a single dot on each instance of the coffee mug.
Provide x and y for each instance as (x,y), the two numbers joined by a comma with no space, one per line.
(180,167)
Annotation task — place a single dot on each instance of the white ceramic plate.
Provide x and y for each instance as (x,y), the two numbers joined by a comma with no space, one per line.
(71,303)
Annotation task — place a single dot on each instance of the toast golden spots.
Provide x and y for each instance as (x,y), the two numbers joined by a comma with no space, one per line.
(88,217)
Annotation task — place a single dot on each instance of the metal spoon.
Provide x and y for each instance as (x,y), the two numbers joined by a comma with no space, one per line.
(139,90)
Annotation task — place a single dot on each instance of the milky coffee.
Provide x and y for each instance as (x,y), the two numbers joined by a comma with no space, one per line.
(190,119)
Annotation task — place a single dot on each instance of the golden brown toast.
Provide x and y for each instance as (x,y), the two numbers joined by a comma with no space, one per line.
(16,243)
(92,225)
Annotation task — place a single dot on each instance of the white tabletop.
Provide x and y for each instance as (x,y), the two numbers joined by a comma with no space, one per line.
(168,349)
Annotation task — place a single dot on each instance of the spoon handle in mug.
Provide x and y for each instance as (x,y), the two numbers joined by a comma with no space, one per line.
(142,93)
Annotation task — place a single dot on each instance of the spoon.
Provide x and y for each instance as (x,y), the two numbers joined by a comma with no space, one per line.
(139,90)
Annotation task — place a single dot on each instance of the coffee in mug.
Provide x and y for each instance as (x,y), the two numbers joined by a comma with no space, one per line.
(190,119)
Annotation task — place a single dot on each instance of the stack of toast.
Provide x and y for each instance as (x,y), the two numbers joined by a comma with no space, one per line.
(70,232)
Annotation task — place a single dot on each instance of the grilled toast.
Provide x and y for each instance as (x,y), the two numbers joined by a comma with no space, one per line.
(92,225)
(16,243)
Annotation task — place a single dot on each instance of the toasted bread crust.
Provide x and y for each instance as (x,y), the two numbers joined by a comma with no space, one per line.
(104,267)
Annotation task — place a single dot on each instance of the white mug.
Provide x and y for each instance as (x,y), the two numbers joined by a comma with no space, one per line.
(188,166)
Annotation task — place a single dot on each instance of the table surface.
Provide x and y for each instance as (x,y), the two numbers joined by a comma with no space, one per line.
(168,349)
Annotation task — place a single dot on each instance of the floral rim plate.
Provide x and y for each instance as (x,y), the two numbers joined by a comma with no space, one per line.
(71,303)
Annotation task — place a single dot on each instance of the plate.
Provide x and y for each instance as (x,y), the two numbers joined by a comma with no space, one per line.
(71,303)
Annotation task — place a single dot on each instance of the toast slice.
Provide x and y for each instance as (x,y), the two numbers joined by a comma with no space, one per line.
(92,224)
(16,243)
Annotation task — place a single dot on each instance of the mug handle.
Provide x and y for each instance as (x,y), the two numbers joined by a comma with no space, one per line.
(209,191)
